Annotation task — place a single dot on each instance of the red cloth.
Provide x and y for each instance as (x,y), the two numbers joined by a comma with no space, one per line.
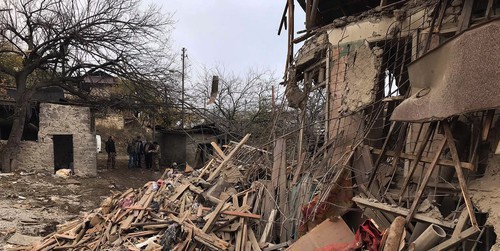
(369,235)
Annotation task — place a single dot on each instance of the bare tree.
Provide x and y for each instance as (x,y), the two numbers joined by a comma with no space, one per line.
(243,103)
(63,41)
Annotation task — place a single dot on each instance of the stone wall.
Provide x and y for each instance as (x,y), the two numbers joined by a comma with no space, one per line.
(192,143)
(115,121)
(58,119)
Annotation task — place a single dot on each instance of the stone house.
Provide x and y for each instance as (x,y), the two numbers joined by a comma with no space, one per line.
(62,136)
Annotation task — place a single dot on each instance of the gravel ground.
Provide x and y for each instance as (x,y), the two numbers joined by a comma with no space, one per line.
(32,203)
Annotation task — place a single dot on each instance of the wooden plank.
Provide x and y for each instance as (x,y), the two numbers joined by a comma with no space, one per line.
(460,174)
(200,236)
(363,164)
(179,191)
(253,241)
(215,215)
(464,19)
(277,246)
(425,180)
(384,219)
(145,197)
(278,156)
(414,164)
(314,14)
(65,236)
(244,233)
(146,205)
(489,9)
(379,158)
(283,19)
(298,169)
(267,229)
(454,241)
(206,167)
(425,159)
(218,150)
(258,201)
(442,12)
(462,221)
(402,212)
(242,214)
(216,172)
(239,236)
(285,224)
(308,13)
(487,124)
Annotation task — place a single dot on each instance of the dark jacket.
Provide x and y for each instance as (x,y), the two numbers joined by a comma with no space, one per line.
(110,146)
(147,147)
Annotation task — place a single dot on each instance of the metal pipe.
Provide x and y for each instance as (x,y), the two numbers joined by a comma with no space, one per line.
(420,227)
(432,236)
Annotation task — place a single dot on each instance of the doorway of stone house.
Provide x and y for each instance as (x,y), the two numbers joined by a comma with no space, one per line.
(63,152)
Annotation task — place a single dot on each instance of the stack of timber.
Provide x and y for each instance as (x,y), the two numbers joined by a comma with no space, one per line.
(208,209)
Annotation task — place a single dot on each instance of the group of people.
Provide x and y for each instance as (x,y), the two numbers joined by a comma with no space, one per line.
(148,151)
(137,151)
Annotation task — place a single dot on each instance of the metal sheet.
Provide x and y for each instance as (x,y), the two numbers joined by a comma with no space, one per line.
(460,76)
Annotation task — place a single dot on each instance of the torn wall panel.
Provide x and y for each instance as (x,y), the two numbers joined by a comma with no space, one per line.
(458,77)
(361,77)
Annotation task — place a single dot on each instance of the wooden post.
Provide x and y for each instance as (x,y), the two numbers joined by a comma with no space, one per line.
(464,19)
(427,176)
(379,158)
(420,150)
(460,174)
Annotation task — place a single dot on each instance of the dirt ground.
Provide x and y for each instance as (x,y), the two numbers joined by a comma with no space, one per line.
(32,203)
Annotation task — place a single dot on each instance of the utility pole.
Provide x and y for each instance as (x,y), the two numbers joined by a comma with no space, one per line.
(182,95)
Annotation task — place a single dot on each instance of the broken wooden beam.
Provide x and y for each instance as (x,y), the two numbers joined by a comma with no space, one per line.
(425,159)
(214,216)
(425,180)
(218,150)
(402,211)
(420,151)
(267,229)
(216,172)
(460,174)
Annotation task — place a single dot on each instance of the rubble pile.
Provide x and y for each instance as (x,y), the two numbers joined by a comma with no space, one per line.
(176,212)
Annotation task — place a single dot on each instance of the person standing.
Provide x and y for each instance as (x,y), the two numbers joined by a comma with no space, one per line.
(111,150)
(139,151)
(148,158)
(156,155)
(131,153)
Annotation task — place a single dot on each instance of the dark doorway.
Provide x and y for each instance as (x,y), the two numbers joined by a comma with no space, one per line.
(203,153)
(63,152)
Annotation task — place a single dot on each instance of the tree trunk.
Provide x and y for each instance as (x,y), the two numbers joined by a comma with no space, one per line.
(19,118)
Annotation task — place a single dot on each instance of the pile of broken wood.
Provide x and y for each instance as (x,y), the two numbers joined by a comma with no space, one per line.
(180,211)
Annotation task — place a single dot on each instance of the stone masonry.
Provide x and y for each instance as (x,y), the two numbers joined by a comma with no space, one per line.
(56,119)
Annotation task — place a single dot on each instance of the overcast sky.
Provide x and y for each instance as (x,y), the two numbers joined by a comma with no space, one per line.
(233,33)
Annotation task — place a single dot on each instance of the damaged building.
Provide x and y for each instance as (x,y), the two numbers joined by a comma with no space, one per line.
(411,93)
(403,154)
(57,135)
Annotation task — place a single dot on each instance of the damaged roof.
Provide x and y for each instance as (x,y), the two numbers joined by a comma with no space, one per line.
(329,10)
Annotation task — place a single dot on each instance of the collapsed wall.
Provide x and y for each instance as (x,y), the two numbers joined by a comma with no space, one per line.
(411,96)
